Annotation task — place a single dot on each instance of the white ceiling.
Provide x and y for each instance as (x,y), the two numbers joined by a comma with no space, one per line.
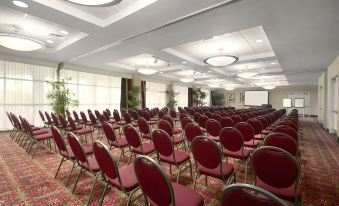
(300,37)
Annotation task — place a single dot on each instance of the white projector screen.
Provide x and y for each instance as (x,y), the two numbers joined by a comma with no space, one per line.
(256,98)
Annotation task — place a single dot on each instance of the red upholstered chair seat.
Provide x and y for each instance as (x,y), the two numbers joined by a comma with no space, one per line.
(83,131)
(185,196)
(122,142)
(227,170)
(252,143)
(128,179)
(92,163)
(40,131)
(44,136)
(237,154)
(180,157)
(147,148)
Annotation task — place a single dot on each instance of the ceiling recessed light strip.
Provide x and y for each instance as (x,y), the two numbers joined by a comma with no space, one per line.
(94,2)
(20,43)
(269,87)
(20,4)
(147,71)
(247,75)
(221,60)
(187,80)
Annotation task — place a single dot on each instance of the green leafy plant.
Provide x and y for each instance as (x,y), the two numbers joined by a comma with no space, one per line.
(198,97)
(172,94)
(218,99)
(134,101)
(61,97)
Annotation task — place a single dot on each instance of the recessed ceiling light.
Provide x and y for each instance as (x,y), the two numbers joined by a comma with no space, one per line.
(213,85)
(215,37)
(63,32)
(161,72)
(247,75)
(183,69)
(209,71)
(259,41)
(229,88)
(20,4)
(187,80)
(221,60)
(273,63)
(184,62)
(268,87)
(19,43)
(50,41)
(95,2)
(147,71)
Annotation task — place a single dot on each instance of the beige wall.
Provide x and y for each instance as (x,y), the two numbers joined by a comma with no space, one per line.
(277,95)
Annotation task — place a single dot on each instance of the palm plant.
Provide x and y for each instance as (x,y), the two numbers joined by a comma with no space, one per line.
(198,97)
(134,101)
(172,94)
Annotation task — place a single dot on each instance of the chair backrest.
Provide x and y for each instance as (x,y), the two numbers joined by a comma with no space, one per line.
(290,124)
(68,113)
(97,113)
(116,115)
(236,119)
(275,167)
(256,124)
(184,121)
(206,152)
(92,117)
(231,139)
(143,126)
(192,130)
(55,118)
(106,115)
(76,116)
(109,132)
(76,147)
(101,118)
(283,141)
(10,118)
(146,115)
(48,117)
(106,161)
(196,117)
(166,126)
(168,119)
(58,139)
(173,114)
(245,194)
(109,112)
(163,143)
(127,118)
(83,117)
(153,181)
(287,130)
(132,136)
(213,127)
(263,121)
(202,120)
(16,121)
(42,116)
(226,122)
(62,121)
(244,117)
(246,130)
(216,116)
(161,113)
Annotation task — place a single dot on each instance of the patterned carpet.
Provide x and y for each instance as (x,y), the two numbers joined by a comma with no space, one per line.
(27,181)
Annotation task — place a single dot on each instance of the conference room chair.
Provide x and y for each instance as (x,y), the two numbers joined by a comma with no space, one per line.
(84,119)
(49,119)
(226,121)
(236,119)
(213,128)
(164,147)
(167,127)
(12,133)
(283,141)
(216,116)
(287,130)
(158,189)
(245,194)
(202,122)
(169,119)
(80,131)
(258,128)
(209,161)
(56,121)
(232,143)
(184,121)
(289,123)
(76,118)
(123,178)
(196,117)
(174,116)
(128,120)
(244,117)
(42,118)
(247,132)
(145,129)
(85,162)
(137,147)
(192,131)
(278,172)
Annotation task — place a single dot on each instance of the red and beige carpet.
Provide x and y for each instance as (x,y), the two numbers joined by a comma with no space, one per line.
(27,181)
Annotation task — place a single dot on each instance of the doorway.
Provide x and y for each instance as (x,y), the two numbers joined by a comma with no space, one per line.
(306,111)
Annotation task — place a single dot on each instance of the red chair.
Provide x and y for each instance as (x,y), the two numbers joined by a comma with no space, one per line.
(192,131)
(278,172)
(287,130)
(170,120)
(226,122)
(236,119)
(76,118)
(56,121)
(244,117)
(196,117)
(213,128)
(216,116)
(174,116)
(258,128)
(65,151)
(41,116)
(164,146)
(144,129)
(123,179)
(202,122)
(233,146)
(113,141)
(117,118)
(147,117)
(245,194)
(184,121)
(86,163)
(247,132)
(158,189)
(290,124)
(283,141)
(136,145)
(82,132)
(208,161)
(167,127)
(84,119)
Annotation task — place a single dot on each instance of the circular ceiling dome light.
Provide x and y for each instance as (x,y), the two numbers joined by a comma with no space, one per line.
(147,71)
(187,80)
(213,85)
(268,87)
(20,4)
(95,2)
(229,88)
(221,60)
(247,75)
(20,43)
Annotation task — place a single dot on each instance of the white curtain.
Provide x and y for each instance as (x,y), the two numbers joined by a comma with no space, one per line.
(94,91)
(182,97)
(156,95)
(207,99)
(23,91)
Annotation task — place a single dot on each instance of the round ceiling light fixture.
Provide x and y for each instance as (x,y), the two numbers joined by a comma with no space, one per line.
(213,85)
(247,75)
(147,71)
(221,60)
(186,80)
(20,43)
(20,4)
(229,88)
(94,2)
(269,87)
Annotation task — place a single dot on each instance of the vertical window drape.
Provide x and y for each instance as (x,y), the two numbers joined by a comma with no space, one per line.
(182,97)
(156,95)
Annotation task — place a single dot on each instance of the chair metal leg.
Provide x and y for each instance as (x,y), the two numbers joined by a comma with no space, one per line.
(129,159)
(91,193)
(130,196)
(206,180)
(36,149)
(179,173)
(56,174)
(69,176)
(76,181)
(195,180)
(103,193)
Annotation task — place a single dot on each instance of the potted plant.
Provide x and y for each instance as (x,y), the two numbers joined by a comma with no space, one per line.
(172,94)
(198,97)
(134,100)
(61,97)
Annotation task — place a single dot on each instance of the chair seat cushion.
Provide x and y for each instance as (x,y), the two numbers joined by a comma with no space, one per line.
(146,136)
(178,140)
(252,143)
(44,136)
(92,163)
(259,137)
(147,148)
(154,119)
(283,193)
(85,130)
(35,128)
(180,157)
(40,131)
(122,142)
(128,179)
(88,149)
(185,196)
(121,122)
(237,154)
(152,122)
(227,170)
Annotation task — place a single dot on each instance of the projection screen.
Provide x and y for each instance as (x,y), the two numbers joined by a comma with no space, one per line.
(256,98)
